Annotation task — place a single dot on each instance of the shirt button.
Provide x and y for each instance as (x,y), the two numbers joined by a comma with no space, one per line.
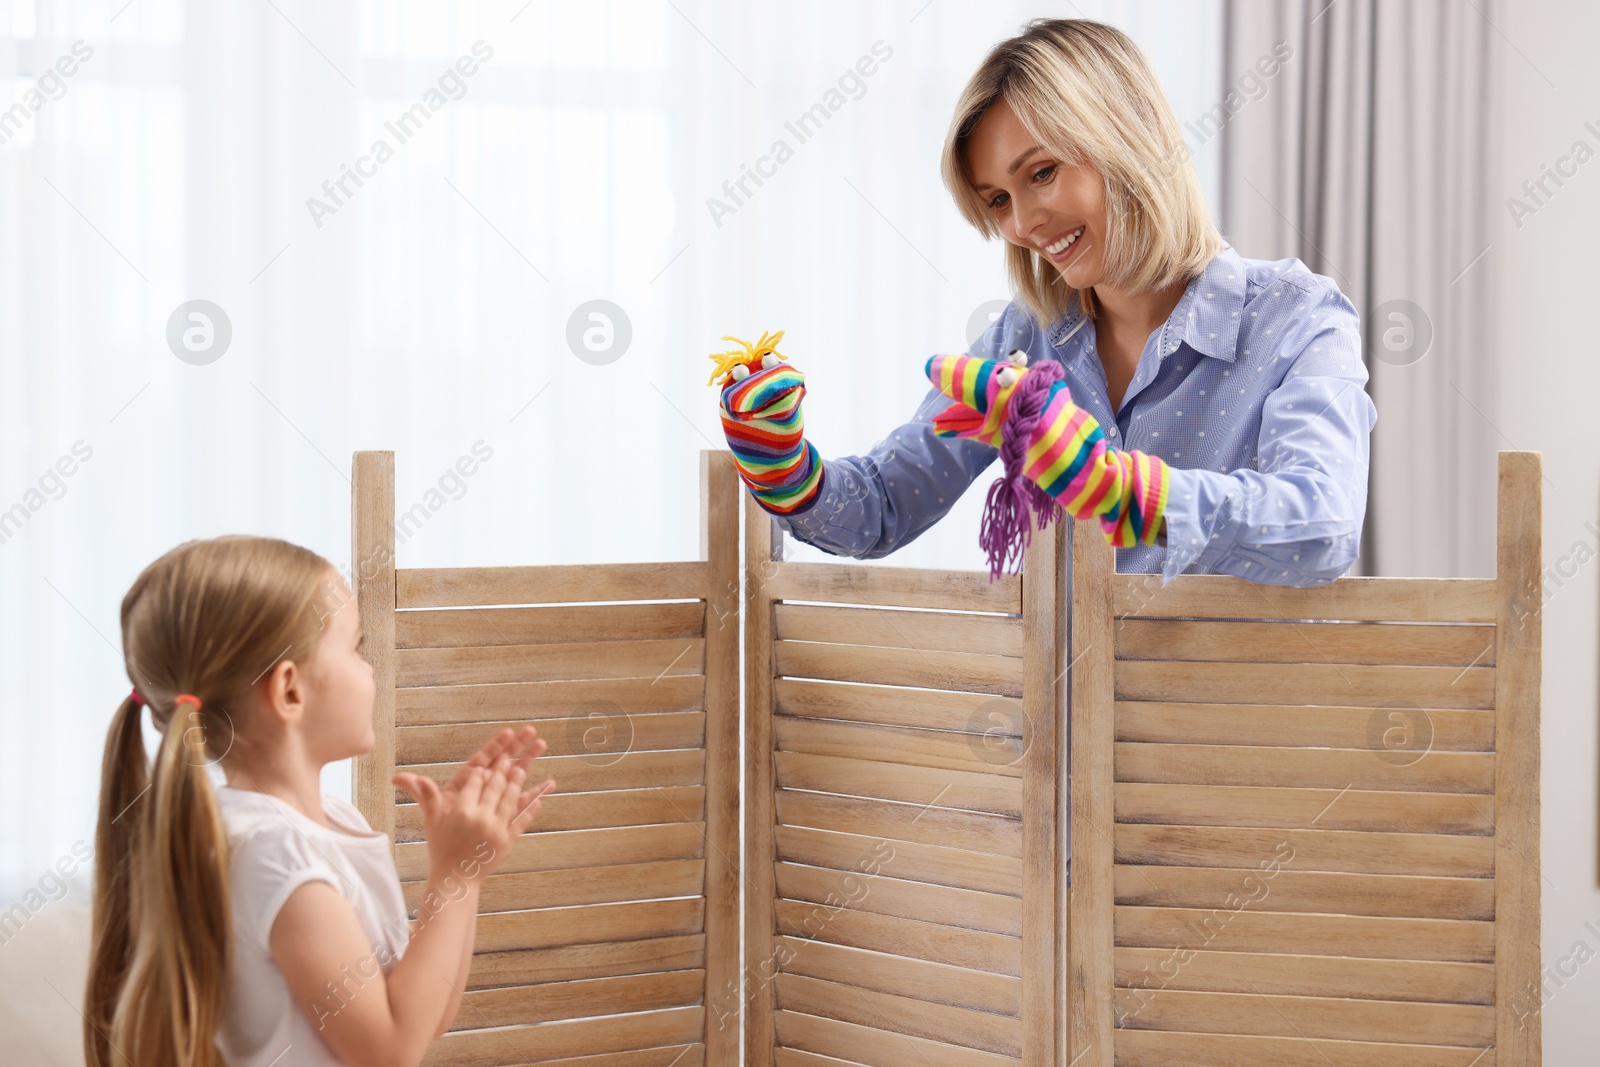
(1112,432)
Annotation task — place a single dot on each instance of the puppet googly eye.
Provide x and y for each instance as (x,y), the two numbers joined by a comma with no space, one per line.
(769,361)
(1007,376)
(1019,358)
(740,372)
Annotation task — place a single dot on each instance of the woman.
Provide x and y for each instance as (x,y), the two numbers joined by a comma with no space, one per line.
(1238,382)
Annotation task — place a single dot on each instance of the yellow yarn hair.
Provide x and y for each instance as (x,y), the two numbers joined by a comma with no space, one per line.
(746,354)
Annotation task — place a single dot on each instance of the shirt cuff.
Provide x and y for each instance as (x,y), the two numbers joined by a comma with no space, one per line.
(1194,524)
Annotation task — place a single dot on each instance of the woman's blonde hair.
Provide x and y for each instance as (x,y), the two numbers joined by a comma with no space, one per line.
(208,618)
(1088,95)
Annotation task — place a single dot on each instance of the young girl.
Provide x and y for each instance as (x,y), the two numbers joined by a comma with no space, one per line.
(259,922)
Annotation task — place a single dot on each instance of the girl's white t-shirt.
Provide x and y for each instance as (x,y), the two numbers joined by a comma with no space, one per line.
(273,849)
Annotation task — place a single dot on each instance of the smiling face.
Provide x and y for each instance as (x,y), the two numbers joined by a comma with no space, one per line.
(1037,199)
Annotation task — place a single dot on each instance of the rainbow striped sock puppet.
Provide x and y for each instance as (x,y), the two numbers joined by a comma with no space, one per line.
(1055,455)
(763,422)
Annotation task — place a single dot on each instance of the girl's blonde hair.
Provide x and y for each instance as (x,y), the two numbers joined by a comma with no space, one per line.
(1088,95)
(208,618)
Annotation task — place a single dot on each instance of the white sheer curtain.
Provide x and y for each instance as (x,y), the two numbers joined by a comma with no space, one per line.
(427,309)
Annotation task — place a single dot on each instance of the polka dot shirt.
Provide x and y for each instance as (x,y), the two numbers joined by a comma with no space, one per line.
(1253,390)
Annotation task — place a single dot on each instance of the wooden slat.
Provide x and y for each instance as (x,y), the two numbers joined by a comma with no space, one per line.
(984,872)
(492,664)
(789,1057)
(1090,1037)
(550,624)
(1519,614)
(591,923)
(761,549)
(1306,683)
(576,583)
(900,1015)
(595,996)
(584,774)
(585,885)
(1394,733)
(1156,1048)
(998,635)
(996,793)
(904,587)
(665,1056)
(591,811)
(974,831)
(1304,809)
(720,497)
(569,963)
(1325,976)
(975,949)
(936,982)
(372,580)
(873,1047)
(1442,855)
(1305,642)
(605,735)
(570,849)
(1216,596)
(894,744)
(1318,891)
(458,627)
(1247,930)
(432,705)
(1046,567)
(505,1046)
(1280,1016)
(882,895)
(1315,768)
(959,671)
(891,706)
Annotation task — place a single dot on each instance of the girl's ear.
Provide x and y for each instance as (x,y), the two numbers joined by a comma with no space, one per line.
(281,692)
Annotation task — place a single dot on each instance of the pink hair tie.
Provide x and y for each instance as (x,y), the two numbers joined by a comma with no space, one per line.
(134,694)
(186,698)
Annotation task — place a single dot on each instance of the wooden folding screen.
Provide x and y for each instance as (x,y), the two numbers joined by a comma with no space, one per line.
(610,934)
(1305,821)
(903,812)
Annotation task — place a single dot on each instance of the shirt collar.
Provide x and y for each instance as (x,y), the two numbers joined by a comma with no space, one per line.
(1206,318)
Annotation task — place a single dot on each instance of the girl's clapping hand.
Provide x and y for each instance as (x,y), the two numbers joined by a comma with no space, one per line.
(472,821)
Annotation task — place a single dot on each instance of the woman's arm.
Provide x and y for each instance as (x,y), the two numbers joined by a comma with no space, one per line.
(1296,517)
(871,505)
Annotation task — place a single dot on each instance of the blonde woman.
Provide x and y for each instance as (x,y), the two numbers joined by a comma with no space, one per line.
(261,922)
(1209,410)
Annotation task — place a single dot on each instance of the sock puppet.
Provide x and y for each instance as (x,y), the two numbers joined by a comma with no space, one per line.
(1054,453)
(763,422)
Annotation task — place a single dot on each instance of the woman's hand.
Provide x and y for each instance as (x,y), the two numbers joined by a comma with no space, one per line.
(764,424)
(981,389)
(1067,454)
(473,820)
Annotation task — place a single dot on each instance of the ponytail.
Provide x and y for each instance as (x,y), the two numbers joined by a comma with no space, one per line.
(122,782)
(158,998)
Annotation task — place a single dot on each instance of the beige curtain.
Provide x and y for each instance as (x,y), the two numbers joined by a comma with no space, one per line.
(1366,154)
